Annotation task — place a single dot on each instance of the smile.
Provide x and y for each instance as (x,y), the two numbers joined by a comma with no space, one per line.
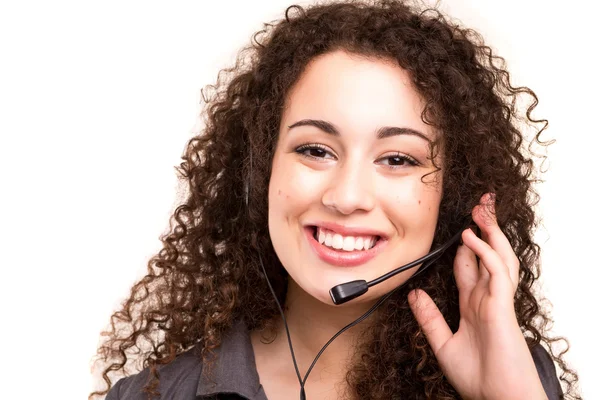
(343,250)
(335,240)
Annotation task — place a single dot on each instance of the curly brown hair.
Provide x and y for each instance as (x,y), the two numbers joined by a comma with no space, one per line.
(208,272)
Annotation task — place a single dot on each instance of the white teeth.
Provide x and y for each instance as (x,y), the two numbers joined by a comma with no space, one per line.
(321,236)
(338,241)
(328,239)
(346,243)
(359,244)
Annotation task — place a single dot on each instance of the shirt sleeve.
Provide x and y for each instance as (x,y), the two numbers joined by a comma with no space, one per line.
(547,372)
(129,388)
(113,393)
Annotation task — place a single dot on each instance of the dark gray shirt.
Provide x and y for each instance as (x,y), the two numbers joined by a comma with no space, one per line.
(235,376)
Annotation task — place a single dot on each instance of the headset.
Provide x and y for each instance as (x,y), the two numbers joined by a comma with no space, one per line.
(345,292)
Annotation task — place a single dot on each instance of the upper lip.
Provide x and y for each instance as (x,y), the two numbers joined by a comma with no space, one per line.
(345,230)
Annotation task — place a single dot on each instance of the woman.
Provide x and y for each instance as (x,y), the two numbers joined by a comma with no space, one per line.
(352,138)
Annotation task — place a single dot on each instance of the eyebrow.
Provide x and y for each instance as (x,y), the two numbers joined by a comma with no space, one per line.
(381,133)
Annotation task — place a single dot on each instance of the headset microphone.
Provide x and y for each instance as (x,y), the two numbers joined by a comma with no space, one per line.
(351,290)
(348,291)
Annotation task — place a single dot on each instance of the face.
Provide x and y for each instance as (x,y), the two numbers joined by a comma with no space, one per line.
(346,196)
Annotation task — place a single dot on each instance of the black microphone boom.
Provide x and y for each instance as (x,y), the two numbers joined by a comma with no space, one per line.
(350,290)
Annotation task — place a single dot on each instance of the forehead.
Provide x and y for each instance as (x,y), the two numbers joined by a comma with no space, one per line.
(356,93)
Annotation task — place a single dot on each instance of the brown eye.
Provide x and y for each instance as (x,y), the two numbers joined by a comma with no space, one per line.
(397,161)
(314,151)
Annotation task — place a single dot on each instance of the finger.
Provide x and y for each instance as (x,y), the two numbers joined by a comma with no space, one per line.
(482,272)
(465,270)
(484,215)
(430,319)
(500,280)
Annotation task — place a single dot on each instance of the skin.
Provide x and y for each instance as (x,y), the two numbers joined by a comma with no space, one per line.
(488,357)
(357,180)
(352,180)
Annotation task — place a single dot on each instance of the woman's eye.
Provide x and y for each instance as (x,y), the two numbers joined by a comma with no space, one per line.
(398,160)
(319,152)
(314,151)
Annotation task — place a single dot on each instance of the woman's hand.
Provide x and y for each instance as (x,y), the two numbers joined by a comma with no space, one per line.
(487,358)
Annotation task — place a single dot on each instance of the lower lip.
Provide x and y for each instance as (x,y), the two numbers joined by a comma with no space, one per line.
(343,258)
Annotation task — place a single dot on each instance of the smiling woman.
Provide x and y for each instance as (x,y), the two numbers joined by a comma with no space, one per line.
(349,162)
(359,137)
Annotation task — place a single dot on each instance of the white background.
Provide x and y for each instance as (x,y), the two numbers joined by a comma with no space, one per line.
(97,100)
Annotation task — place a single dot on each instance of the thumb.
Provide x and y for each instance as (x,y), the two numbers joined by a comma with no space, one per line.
(430,319)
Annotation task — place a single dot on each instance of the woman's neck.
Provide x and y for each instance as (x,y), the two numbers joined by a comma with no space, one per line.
(311,324)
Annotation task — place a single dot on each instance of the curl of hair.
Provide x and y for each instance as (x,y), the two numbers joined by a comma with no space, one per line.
(208,274)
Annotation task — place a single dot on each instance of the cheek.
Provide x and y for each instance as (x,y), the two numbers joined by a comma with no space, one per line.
(293,186)
(283,205)
(413,202)
(282,192)
(288,194)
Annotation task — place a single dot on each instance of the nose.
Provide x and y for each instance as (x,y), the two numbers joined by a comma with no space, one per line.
(350,189)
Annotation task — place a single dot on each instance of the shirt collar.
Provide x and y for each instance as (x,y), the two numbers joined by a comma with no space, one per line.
(233,368)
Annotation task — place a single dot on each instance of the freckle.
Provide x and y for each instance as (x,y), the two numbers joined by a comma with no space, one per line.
(279,192)
(419,201)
